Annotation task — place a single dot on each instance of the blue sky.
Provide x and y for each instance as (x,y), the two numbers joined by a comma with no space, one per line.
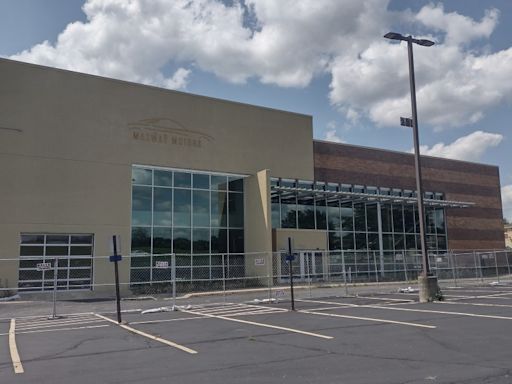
(326,58)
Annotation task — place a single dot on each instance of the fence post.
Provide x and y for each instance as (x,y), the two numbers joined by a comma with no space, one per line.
(496,265)
(508,264)
(173,277)
(270,278)
(454,268)
(476,266)
(344,272)
(375,267)
(55,274)
(405,266)
(309,274)
(223,278)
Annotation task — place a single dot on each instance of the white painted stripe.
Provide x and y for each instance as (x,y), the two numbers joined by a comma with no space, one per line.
(46,320)
(59,324)
(325,302)
(440,312)
(149,336)
(168,320)
(476,304)
(369,319)
(383,298)
(262,325)
(40,316)
(60,329)
(15,357)
(257,312)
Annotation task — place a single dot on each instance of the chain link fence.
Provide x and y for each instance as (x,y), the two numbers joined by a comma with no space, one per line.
(258,276)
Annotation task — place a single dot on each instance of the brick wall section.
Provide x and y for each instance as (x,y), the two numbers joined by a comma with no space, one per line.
(478,227)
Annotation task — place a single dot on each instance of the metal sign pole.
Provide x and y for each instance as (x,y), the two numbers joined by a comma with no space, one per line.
(55,275)
(116,272)
(290,261)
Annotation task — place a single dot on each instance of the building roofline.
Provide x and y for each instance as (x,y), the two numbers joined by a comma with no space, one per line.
(132,83)
(404,153)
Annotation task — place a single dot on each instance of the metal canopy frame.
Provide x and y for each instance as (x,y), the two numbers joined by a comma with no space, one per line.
(361,196)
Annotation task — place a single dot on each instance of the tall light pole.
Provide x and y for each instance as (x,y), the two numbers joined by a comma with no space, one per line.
(427,283)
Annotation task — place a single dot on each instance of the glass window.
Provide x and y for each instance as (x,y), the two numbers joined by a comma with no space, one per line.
(333,215)
(163,178)
(348,240)
(57,239)
(409,219)
(219,183)
(182,179)
(387,242)
(306,213)
(201,241)
(182,208)
(372,218)
(236,210)
(321,214)
(359,217)
(32,239)
(201,208)
(219,240)
(410,241)
(141,206)
(276,212)
(361,242)
(181,240)
(334,241)
(141,176)
(236,241)
(201,181)
(386,217)
(219,208)
(236,184)
(288,212)
(431,220)
(373,241)
(162,207)
(162,240)
(399,241)
(440,225)
(74,261)
(141,240)
(398,219)
(347,217)
(441,243)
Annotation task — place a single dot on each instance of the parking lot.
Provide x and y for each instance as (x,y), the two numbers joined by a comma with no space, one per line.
(372,338)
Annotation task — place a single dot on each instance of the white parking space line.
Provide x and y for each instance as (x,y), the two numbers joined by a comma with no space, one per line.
(439,312)
(149,336)
(384,299)
(60,329)
(394,308)
(230,310)
(167,320)
(292,330)
(325,302)
(312,312)
(21,318)
(15,357)
(476,304)
(59,324)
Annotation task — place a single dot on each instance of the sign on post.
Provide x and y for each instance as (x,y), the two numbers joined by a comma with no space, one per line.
(43,266)
(161,264)
(259,262)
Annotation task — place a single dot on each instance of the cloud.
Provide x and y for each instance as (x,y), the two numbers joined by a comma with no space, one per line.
(506,199)
(470,147)
(331,133)
(288,43)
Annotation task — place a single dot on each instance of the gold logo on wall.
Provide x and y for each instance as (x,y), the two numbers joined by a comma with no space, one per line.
(167,131)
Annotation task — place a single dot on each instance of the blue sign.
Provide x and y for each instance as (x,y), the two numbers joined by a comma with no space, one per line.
(290,257)
(115,258)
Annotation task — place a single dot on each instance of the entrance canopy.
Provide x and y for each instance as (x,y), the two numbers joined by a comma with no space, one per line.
(350,192)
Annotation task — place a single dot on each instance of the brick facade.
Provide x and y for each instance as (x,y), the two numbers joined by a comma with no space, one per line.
(478,227)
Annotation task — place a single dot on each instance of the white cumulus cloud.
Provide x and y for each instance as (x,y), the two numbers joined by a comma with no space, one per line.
(288,43)
(470,147)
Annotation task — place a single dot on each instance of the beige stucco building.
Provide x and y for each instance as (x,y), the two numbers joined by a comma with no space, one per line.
(84,158)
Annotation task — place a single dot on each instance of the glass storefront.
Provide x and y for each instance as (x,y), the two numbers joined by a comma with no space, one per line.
(353,223)
(196,215)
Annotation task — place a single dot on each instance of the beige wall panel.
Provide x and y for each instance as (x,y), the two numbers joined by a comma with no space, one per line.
(258,224)
(95,119)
